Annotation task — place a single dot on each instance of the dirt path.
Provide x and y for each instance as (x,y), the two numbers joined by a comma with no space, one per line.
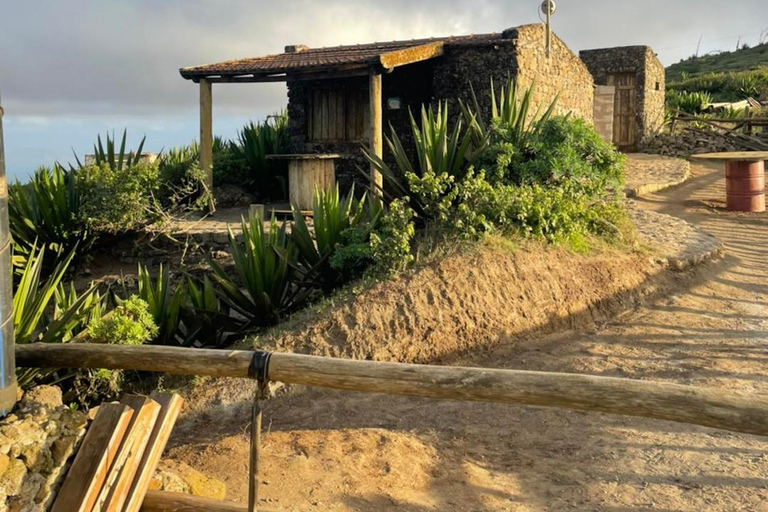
(343,451)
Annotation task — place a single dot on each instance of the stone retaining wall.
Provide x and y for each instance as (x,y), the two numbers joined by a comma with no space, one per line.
(37,442)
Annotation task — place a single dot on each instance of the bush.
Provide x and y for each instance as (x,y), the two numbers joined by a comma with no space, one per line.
(116,200)
(46,213)
(130,323)
(229,164)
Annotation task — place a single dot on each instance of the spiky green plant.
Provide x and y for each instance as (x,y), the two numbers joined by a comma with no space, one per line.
(332,216)
(256,141)
(164,302)
(265,266)
(207,319)
(442,157)
(511,111)
(116,160)
(32,298)
(46,213)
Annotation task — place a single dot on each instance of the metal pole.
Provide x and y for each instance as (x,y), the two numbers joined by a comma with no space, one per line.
(7,352)
(549,27)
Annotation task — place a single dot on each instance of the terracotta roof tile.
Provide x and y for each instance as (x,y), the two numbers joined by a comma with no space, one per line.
(316,59)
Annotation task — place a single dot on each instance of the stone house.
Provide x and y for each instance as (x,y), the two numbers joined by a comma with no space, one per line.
(342,97)
(630,93)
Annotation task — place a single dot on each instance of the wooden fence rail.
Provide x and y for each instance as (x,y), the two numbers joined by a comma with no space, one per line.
(727,410)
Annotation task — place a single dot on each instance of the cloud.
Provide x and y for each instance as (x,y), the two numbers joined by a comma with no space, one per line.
(120,58)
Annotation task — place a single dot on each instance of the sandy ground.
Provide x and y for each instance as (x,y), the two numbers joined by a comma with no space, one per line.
(350,452)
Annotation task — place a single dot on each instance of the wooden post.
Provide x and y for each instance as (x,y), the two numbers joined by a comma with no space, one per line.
(377,120)
(206,134)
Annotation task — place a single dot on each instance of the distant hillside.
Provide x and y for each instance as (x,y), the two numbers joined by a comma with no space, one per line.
(740,60)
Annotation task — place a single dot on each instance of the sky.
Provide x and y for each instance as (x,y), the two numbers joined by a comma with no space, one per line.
(72,69)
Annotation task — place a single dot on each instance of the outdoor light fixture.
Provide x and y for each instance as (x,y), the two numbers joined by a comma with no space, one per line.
(548,7)
(394,104)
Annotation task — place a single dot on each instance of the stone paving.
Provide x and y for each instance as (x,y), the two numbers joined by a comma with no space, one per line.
(674,241)
(647,174)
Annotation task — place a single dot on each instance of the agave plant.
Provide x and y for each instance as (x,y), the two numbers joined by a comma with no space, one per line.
(265,268)
(256,141)
(207,319)
(332,216)
(46,213)
(511,111)
(32,298)
(106,154)
(442,157)
(165,302)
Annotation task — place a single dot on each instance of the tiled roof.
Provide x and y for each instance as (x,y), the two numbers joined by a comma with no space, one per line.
(318,59)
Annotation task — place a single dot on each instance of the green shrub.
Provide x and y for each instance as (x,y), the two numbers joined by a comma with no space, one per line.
(381,242)
(116,200)
(722,87)
(46,213)
(229,165)
(130,323)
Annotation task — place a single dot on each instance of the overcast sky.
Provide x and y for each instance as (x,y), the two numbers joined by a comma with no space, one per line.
(70,69)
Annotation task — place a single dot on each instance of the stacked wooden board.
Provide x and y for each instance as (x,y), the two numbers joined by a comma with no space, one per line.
(119,455)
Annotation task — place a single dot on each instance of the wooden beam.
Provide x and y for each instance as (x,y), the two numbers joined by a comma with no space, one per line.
(391,60)
(723,409)
(206,133)
(377,122)
(90,468)
(289,77)
(127,461)
(170,407)
(160,501)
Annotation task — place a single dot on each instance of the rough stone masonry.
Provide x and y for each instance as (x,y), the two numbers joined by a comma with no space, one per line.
(37,442)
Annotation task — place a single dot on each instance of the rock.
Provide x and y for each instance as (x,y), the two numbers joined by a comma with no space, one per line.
(37,458)
(227,196)
(13,478)
(4,460)
(173,475)
(62,448)
(48,396)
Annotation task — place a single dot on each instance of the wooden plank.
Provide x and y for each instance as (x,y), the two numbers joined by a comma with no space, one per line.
(160,501)
(716,408)
(89,471)
(376,129)
(126,466)
(395,58)
(170,408)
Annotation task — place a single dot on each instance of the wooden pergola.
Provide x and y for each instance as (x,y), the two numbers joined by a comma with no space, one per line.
(300,63)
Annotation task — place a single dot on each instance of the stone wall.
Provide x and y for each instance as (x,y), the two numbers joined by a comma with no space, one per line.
(603,111)
(650,85)
(37,442)
(561,73)
(464,67)
(466,64)
(687,143)
(655,94)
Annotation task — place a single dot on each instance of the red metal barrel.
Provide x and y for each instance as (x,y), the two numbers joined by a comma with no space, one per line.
(745,186)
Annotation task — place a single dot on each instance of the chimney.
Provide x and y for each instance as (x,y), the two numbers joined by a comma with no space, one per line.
(296,48)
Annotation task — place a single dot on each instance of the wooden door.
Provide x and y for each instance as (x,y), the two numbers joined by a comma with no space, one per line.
(624,110)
